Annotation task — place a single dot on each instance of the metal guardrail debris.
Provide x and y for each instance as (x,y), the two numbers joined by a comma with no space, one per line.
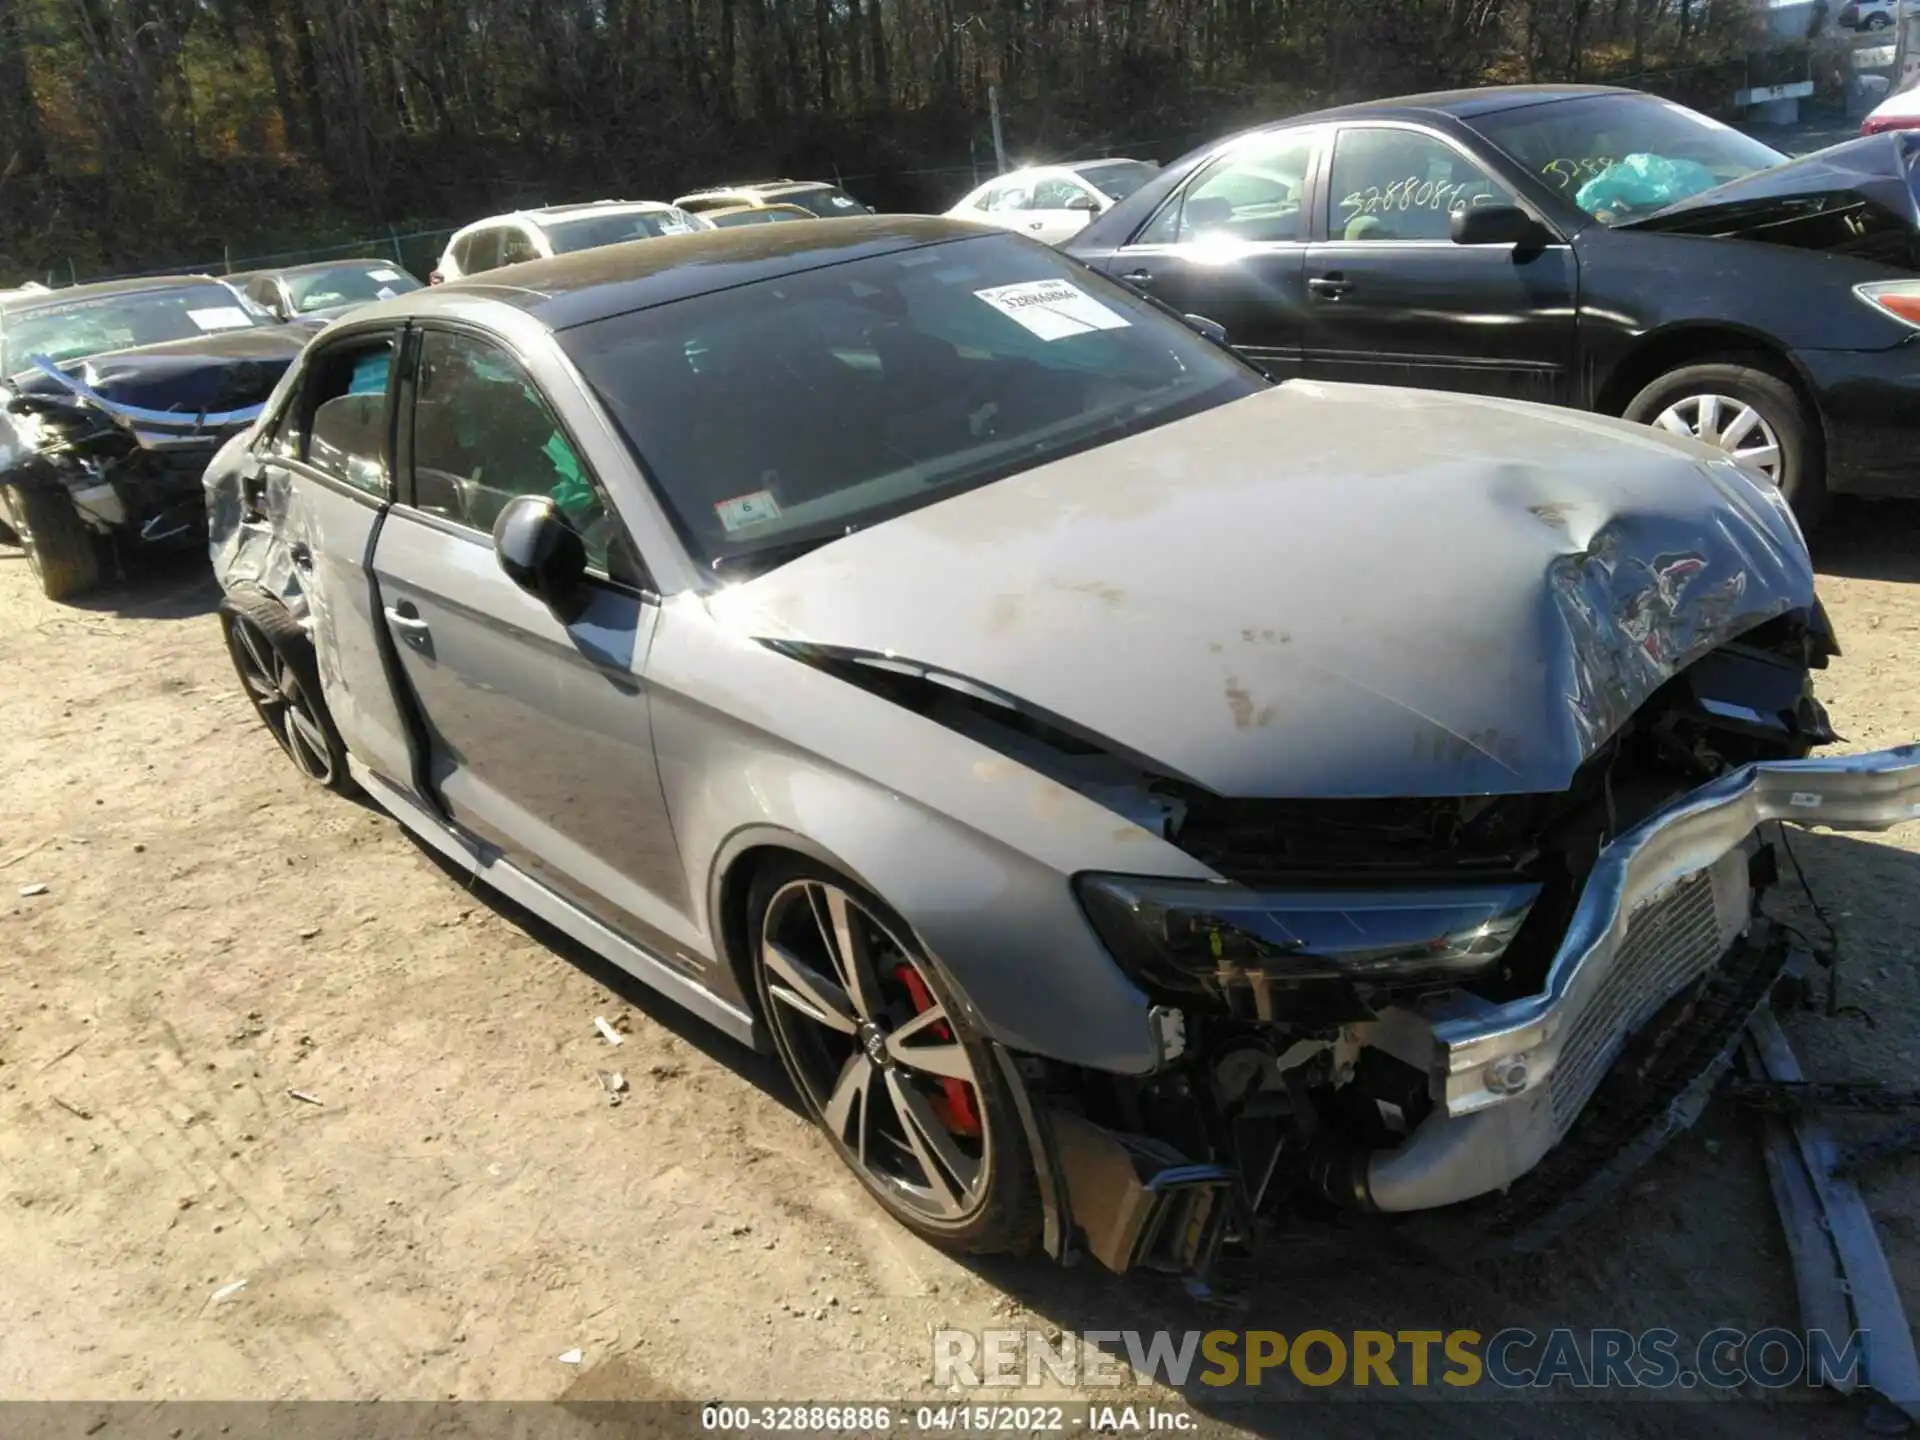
(1841,1272)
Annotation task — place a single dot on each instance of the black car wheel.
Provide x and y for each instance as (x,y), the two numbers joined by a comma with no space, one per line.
(1753,415)
(1879,20)
(873,1040)
(62,553)
(276,665)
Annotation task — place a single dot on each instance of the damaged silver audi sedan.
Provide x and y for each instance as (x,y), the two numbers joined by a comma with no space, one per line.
(1137,802)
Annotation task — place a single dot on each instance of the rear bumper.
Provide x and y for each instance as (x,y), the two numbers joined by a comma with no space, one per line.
(1664,903)
(1870,404)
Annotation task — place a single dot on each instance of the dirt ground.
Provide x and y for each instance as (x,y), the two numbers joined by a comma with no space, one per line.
(458,1204)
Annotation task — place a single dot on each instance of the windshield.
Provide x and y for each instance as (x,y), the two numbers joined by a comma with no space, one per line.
(589,232)
(825,201)
(79,328)
(1620,157)
(767,216)
(880,385)
(348,285)
(1118,179)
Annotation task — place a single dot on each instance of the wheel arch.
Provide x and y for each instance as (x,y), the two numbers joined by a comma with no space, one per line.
(1689,343)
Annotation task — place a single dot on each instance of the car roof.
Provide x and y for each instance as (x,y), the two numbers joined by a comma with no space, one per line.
(1460,104)
(757,210)
(590,285)
(593,207)
(33,300)
(1092,164)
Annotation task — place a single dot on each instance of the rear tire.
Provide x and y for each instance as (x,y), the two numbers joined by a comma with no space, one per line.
(277,668)
(62,553)
(922,1114)
(1721,389)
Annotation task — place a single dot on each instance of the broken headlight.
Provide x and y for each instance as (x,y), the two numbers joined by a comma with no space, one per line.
(1198,935)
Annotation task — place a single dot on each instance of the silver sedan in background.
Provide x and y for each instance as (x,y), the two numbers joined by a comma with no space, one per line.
(1134,800)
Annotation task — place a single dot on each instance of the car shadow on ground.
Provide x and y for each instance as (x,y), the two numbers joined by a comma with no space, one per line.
(1870,540)
(763,1071)
(163,586)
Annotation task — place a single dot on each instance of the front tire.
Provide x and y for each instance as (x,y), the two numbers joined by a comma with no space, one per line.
(61,552)
(277,668)
(1750,413)
(877,1046)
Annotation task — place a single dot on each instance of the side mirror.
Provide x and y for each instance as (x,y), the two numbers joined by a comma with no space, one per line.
(1211,329)
(1496,225)
(542,554)
(1084,202)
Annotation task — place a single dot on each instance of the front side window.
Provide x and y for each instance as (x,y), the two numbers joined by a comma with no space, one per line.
(482,434)
(1621,157)
(480,251)
(517,247)
(1254,194)
(79,328)
(1009,196)
(1389,184)
(1057,193)
(880,385)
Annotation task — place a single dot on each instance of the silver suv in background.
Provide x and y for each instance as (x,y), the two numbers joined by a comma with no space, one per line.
(556,230)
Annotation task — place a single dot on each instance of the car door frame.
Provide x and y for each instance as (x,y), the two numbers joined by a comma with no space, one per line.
(1280,362)
(299,470)
(1498,168)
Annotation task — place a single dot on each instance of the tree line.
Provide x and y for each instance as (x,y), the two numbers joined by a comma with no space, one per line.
(132,131)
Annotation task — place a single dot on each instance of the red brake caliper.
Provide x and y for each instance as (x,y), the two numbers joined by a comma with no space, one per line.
(954,1105)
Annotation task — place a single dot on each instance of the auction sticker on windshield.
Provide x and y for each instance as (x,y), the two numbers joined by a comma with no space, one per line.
(221,317)
(1052,309)
(744,510)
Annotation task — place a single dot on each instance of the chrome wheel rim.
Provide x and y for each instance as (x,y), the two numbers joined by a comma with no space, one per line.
(875,1052)
(1727,424)
(282,701)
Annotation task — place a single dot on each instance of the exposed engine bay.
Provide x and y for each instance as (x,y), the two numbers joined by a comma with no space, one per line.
(1299,1002)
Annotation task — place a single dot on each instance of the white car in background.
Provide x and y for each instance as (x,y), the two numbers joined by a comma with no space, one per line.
(1896,112)
(1054,202)
(557,230)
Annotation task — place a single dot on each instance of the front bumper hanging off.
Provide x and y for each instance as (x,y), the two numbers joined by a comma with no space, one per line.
(1667,905)
(1661,907)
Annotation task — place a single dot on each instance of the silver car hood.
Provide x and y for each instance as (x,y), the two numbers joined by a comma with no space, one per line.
(1322,590)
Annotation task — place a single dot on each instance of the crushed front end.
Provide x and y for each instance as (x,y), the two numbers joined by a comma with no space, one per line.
(125,438)
(1493,1006)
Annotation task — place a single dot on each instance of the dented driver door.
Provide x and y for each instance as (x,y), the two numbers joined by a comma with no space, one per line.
(329,451)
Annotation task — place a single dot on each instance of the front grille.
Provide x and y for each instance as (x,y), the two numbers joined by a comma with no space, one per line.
(1670,942)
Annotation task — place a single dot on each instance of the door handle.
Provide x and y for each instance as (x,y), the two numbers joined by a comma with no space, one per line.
(408,625)
(301,554)
(1330,287)
(1141,278)
(1037,225)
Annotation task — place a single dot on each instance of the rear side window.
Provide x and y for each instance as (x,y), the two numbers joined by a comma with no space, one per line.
(479,251)
(1256,194)
(344,415)
(517,247)
(1054,193)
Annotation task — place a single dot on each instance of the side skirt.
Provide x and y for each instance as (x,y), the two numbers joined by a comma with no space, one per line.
(490,867)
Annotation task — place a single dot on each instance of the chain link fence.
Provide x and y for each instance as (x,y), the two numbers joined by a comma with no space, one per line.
(416,251)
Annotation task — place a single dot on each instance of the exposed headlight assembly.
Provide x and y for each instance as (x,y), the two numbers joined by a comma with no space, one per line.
(1194,935)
